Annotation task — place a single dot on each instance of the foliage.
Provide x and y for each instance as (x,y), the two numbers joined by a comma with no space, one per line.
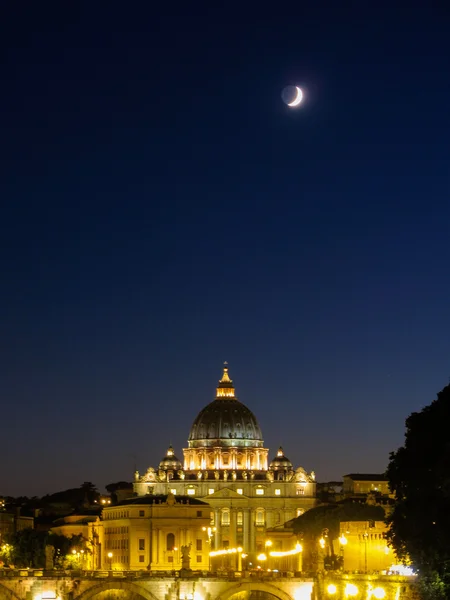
(26,548)
(431,587)
(324,521)
(329,516)
(418,474)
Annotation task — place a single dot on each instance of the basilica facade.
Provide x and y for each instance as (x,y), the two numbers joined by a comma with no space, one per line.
(227,466)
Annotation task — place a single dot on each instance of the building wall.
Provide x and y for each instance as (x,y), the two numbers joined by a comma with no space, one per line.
(151,536)
(366,549)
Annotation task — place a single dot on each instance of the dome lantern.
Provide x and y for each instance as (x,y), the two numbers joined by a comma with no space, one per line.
(225,389)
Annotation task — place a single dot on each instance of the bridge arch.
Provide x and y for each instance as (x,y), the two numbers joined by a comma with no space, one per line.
(106,586)
(257,586)
(7,594)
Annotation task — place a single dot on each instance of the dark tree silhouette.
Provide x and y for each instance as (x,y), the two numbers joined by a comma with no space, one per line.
(419,475)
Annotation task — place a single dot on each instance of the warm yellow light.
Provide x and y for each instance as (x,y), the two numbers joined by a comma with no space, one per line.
(268,543)
(74,551)
(261,557)
(110,554)
(379,593)
(331,589)
(322,542)
(244,555)
(343,540)
(298,548)
(351,589)
(225,551)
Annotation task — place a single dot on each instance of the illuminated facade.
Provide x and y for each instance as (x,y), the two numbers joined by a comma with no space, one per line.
(364,548)
(148,533)
(226,465)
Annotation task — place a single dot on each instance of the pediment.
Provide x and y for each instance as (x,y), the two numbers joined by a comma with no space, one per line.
(225,493)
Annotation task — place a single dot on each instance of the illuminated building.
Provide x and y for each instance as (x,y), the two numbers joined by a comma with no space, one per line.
(363,546)
(91,528)
(226,465)
(361,484)
(149,533)
(13,522)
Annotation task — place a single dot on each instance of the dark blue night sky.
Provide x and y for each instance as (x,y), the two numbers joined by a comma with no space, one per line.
(164,211)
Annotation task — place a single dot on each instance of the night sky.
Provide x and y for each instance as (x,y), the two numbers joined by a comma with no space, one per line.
(164,211)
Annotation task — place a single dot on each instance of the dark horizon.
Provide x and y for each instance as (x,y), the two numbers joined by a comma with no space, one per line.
(165,212)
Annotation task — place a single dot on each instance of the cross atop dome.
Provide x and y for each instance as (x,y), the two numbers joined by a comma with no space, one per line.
(225,388)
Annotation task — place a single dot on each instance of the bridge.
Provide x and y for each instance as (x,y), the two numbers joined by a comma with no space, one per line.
(29,584)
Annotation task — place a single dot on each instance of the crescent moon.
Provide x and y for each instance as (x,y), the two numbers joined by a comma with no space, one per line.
(298,98)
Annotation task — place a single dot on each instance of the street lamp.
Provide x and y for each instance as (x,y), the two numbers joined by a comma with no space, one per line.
(342,542)
(110,556)
(209,532)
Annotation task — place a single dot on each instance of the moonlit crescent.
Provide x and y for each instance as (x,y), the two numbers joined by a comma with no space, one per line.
(298,98)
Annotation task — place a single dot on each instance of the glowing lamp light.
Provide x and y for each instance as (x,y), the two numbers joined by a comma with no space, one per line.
(351,589)
(262,557)
(343,540)
(331,589)
(379,593)
(322,542)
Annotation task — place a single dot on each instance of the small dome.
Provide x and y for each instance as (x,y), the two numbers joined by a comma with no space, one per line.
(280,461)
(170,461)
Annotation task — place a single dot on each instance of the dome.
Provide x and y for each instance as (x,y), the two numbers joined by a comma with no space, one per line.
(280,461)
(170,461)
(225,421)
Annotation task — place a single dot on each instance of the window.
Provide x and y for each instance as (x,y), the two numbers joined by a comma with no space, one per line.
(199,545)
(225,517)
(170,541)
(239,519)
(174,491)
(199,559)
(199,513)
(226,543)
(141,544)
(259,492)
(170,559)
(141,558)
(277,492)
(191,492)
(300,491)
(210,491)
(260,517)
(142,513)
(239,491)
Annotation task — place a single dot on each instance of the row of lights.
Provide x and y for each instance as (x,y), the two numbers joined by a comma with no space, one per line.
(351,590)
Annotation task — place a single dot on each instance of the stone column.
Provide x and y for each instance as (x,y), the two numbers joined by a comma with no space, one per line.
(246,530)
(217,525)
(233,527)
(154,556)
(252,530)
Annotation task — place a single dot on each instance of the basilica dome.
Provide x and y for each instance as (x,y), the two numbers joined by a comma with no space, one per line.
(225,422)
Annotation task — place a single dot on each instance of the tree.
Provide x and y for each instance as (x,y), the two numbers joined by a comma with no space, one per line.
(26,548)
(419,476)
(324,521)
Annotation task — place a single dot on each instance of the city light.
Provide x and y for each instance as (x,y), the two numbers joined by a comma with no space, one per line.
(351,589)
(379,593)
(298,548)
(331,589)
(225,551)
(261,557)
(343,540)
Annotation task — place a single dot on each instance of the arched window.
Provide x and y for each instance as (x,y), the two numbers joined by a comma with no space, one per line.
(260,517)
(170,541)
(240,519)
(225,517)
